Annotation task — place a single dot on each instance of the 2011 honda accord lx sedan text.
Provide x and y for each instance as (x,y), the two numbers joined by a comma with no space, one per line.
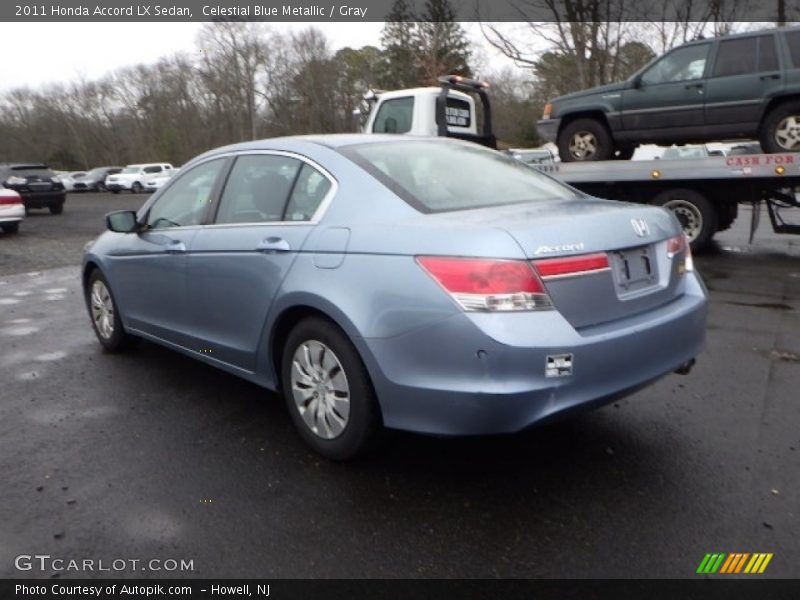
(428,285)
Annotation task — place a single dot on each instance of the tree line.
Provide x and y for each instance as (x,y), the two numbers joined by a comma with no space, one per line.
(247,81)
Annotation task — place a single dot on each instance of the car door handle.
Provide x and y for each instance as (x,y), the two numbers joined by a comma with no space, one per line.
(772,76)
(690,86)
(175,247)
(273,244)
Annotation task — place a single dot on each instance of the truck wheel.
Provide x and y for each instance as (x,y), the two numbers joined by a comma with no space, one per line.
(10,227)
(585,140)
(56,209)
(780,129)
(136,188)
(695,212)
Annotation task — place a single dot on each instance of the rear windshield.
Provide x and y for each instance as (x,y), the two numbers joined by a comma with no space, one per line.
(439,176)
(28,170)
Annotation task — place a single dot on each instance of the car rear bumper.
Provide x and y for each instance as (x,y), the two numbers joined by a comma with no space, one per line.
(454,378)
(548,128)
(43,199)
(11,213)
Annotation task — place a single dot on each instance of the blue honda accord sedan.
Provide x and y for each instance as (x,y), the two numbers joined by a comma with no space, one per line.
(428,285)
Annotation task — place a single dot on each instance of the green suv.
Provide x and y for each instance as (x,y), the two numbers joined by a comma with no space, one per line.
(739,86)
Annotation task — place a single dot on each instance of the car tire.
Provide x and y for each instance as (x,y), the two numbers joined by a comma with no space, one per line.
(584,140)
(10,227)
(780,129)
(103,312)
(338,416)
(100,187)
(695,212)
(115,191)
(56,209)
(136,188)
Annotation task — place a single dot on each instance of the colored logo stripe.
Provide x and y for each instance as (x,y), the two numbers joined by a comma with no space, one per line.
(734,563)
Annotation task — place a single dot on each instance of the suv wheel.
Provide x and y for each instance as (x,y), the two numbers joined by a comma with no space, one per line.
(136,188)
(780,130)
(328,391)
(585,140)
(695,212)
(56,209)
(10,227)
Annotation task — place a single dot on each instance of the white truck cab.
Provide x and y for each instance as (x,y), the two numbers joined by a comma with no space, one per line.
(448,111)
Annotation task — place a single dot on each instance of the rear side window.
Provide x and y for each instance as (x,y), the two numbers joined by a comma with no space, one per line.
(439,176)
(258,189)
(394,116)
(793,41)
(309,190)
(458,113)
(746,55)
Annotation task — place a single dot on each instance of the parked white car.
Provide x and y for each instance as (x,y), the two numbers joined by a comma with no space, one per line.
(156,182)
(133,177)
(12,210)
(68,179)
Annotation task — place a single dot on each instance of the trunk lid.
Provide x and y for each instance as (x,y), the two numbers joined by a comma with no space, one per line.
(640,275)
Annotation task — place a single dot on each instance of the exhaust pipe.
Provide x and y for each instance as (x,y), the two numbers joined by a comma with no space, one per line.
(686,367)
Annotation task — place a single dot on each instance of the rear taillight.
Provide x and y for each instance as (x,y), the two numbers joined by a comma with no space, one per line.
(484,284)
(568,266)
(10,199)
(680,245)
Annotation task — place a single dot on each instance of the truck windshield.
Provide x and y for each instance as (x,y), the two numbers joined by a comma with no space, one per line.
(445,175)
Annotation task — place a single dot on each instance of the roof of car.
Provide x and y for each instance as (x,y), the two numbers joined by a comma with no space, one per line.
(332,140)
(24,166)
(740,34)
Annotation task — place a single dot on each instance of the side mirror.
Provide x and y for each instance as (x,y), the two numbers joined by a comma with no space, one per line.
(637,82)
(122,221)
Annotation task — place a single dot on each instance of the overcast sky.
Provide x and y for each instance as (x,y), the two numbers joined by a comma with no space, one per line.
(62,52)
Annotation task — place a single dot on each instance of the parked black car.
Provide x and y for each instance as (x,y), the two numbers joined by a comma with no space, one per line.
(95,180)
(37,185)
(740,86)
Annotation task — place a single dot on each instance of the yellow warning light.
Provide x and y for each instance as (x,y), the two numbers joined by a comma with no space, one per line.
(655,174)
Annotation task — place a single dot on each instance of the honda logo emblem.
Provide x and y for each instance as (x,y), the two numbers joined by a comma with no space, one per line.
(640,227)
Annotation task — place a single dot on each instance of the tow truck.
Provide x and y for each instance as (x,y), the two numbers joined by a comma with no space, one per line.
(704,194)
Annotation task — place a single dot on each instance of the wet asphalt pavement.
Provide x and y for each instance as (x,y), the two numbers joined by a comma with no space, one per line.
(154,456)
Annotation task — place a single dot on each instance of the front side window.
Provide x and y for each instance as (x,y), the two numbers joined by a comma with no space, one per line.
(682,64)
(185,202)
(394,116)
(438,176)
(258,189)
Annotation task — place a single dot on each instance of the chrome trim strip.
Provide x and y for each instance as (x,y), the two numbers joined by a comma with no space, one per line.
(574,274)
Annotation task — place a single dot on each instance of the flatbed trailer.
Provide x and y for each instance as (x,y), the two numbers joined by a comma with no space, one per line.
(703,193)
